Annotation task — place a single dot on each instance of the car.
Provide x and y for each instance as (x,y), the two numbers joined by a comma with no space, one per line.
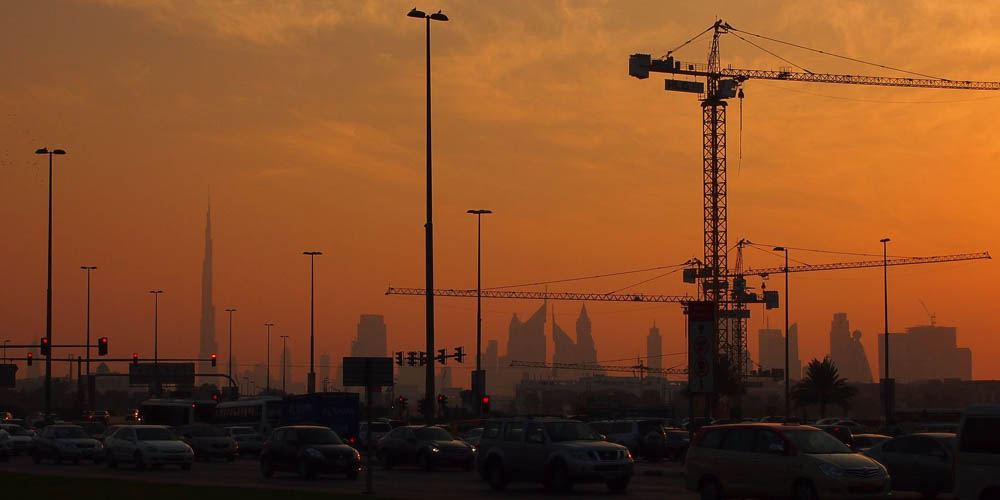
(310,451)
(918,462)
(209,442)
(147,446)
(109,430)
(379,430)
(247,439)
(427,446)
(554,451)
(677,444)
(20,439)
(828,420)
(132,415)
(103,416)
(779,460)
(863,442)
(643,437)
(60,442)
(473,436)
(6,450)
(851,425)
(977,462)
(842,433)
(94,429)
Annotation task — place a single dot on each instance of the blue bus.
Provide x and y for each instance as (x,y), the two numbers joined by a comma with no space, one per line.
(340,411)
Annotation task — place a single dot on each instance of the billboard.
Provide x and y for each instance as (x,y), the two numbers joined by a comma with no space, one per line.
(361,372)
(179,374)
(701,346)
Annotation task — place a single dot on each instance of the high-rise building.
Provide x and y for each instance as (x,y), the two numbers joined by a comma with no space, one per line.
(847,352)
(324,373)
(927,352)
(207,344)
(582,351)
(525,342)
(371,339)
(585,348)
(491,358)
(654,348)
(771,350)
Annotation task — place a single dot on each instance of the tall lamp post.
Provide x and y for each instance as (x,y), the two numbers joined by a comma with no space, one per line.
(5,350)
(48,287)
(231,311)
(283,358)
(428,227)
(479,378)
(88,269)
(311,379)
(156,341)
(787,381)
(268,378)
(888,386)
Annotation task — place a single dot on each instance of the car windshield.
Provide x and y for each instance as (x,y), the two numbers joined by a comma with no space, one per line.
(206,431)
(69,433)
(16,430)
(815,442)
(571,431)
(432,434)
(154,434)
(243,430)
(318,436)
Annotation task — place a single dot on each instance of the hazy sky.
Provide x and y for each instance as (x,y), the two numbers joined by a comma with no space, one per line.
(305,121)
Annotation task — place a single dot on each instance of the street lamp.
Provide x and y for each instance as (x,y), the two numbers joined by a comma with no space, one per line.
(156,341)
(268,386)
(283,358)
(230,311)
(787,382)
(885,290)
(48,287)
(479,378)
(88,269)
(5,351)
(311,379)
(428,227)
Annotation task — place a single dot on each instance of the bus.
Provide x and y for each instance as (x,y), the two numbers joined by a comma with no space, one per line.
(340,411)
(262,413)
(176,412)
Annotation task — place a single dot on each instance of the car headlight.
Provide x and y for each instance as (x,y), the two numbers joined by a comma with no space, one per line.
(435,449)
(473,448)
(581,455)
(831,470)
(357,455)
(314,453)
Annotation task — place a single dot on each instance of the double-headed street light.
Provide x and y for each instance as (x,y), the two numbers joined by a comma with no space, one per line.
(88,269)
(787,382)
(478,377)
(48,287)
(311,379)
(231,311)
(156,341)
(887,386)
(428,226)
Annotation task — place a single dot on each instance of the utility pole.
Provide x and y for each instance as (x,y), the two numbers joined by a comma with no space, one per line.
(888,385)
(231,311)
(787,381)
(479,378)
(268,382)
(156,341)
(48,288)
(88,269)
(311,379)
(283,359)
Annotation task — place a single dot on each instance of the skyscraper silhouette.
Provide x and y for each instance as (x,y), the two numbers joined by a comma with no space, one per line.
(654,348)
(207,344)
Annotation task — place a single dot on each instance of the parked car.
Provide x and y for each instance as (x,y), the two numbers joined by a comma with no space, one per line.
(643,437)
(863,442)
(308,450)
(20,439)
(677,444)
(209,442)
(555,452)
(427,446)
(473,436)
(60,442)
(918,462)
(109,430)
(379,430)
(779,460)
(977,463)
(247,439)
(93,429)
(147,446)
(842,433)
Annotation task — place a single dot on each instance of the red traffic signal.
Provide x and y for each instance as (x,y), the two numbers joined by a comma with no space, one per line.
(102,346)
(213,359)
(44,346)
(135,358)
(486,400)
(31,357)
(216,396)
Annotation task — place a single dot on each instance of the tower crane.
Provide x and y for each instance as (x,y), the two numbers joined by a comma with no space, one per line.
(723,83)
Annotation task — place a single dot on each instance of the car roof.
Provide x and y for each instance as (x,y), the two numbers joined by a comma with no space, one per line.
(762,425)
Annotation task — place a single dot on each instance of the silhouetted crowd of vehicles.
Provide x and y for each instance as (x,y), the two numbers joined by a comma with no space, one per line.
(318,434)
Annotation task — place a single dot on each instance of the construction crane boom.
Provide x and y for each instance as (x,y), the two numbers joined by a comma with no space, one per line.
(597,368)
(900,261)
(521,294)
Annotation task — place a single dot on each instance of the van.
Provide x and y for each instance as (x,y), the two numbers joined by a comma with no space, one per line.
(977,463)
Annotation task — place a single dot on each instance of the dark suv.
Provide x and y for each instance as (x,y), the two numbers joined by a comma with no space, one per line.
(308,450)
(556,452)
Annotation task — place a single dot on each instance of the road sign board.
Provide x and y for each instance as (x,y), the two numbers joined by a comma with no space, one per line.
(685,86)
(372,372)
(701,346)
(8,374)
(179,374)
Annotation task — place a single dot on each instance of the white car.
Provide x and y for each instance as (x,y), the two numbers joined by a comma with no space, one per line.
(147,446)
(977,463)
(20,439)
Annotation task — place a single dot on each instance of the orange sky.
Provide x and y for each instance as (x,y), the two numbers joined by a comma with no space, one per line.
(305,120)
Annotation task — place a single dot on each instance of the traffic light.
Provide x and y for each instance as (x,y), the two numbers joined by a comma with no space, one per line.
(423,358)
(486,404)
(135,358)
(460,354)
(399,358)
(31,357)
(44,346)
(102,346)
(442,401)
(216,397)
(442,356)
(411,358)
(213,359)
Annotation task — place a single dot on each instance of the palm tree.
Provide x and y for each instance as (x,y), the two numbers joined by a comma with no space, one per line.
(823,385)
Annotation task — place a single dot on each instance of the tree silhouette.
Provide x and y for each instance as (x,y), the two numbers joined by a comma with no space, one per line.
(822,385)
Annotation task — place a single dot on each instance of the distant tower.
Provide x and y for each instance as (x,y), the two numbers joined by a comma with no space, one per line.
(586,351)
(324,372)
(654,348)
(207,344)
(371,339)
